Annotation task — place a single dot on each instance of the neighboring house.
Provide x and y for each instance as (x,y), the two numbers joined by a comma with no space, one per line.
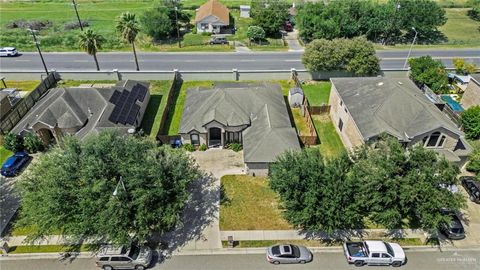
(244,11)
(295,97)
(211,17)
(471,96)
(461,81)
(82,111)
(254,115)
(364,108)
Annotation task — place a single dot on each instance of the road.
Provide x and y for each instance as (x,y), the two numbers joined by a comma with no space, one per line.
(418,260)
(208,61)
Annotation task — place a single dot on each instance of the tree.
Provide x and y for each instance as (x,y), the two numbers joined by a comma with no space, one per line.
(32,143)
(316,194)
(12,142)
(91,42)
(462,67)
(356,55)
(471,122)
(255,33)
(109,188)
(128,28)
(474,13)
(270,15)
(474,162)
(425,70)
(160,22)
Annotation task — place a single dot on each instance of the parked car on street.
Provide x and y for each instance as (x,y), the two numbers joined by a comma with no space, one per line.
(14,164)
(472,186)
(453,230)
(8,51)
(288,254)
(374,253)
(218,40)
(133,257)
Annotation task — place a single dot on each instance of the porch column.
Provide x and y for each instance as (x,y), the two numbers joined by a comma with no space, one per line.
(222,135)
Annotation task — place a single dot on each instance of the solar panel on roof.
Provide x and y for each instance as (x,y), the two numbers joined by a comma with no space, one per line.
(114,115)
(142,92)
(132,115)
(115,96)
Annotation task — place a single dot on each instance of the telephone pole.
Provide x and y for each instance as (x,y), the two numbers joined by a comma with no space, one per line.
(38,48)
(78,16)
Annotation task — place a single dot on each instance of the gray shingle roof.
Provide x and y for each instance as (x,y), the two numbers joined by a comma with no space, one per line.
(392,105)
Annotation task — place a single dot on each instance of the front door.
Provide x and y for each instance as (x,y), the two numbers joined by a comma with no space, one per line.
(214,137)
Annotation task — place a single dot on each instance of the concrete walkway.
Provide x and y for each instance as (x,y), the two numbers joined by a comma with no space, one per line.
(293,43)
(240,47)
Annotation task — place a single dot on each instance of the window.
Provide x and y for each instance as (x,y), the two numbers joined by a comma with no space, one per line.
(442,140)
(120,259)
(341,103)
(194,139)
(104,259)
(340,124)
(435,139)
(375,255)
(233,137)
(384,255)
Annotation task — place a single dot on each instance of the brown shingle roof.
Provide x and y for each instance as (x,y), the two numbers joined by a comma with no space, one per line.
(213,7)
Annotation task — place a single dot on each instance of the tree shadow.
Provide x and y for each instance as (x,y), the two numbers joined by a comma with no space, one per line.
(150,113)
(333,237)
(170,106)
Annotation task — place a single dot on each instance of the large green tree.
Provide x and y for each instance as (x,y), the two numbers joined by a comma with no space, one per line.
(426,70)
(471,122)
(270,15)
(128,28)
(160,22)
(91,42)
(109,188)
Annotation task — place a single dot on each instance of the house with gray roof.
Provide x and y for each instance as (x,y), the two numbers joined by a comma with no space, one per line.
(254,115)
(364,108)
(82,111)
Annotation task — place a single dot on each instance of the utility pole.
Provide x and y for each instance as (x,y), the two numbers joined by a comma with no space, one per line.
(38,48)
(176,22)
(78,16)
(411,46)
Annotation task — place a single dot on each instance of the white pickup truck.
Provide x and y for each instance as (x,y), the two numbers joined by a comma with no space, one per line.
(374,253)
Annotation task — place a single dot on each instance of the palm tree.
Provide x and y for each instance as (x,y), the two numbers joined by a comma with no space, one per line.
(91,42)
(128,28)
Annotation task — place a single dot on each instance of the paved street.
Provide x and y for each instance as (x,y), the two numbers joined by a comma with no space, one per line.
(419,260)
(391,59)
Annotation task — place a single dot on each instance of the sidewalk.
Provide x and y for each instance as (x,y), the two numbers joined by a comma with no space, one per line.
(293,43)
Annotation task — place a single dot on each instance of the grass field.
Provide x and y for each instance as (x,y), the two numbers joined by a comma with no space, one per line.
(317,93)
(250,204)
(460,29)
(330,143)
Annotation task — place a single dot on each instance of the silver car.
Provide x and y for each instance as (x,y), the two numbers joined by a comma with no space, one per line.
(288,254)
(134,257)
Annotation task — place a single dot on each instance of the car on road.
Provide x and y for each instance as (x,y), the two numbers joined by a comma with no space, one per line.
(8,51)
(374,253)
(14,164)
(453,230)
(288,254)
(218,40)
(133,257)
(472,186)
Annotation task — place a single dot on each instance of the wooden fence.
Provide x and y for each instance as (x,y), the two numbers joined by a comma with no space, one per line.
(312,138)
(26,103)
(172,93)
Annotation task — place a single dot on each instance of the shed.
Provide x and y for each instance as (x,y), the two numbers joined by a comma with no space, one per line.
(244,11)
(295,97)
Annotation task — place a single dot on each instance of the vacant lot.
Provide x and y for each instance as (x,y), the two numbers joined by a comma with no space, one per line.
(248,203)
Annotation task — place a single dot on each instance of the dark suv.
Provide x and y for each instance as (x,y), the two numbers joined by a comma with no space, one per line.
(218,40)
(453,230)
(133,257)
(472,186)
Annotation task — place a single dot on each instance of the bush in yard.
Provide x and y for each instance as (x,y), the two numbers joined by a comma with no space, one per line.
(189,147)
(12,142)
(202,147)
(107,189)
(235,146)
(255,33)
(32,143)
(426,70)
(471,122)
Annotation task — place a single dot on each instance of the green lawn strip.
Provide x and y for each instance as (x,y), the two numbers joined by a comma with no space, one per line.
(22,85)
(250,204)
(4,154)
(317,93)
(316,243)
(330,143)
(153,114)
(300,122)
(75,83)
(45,249)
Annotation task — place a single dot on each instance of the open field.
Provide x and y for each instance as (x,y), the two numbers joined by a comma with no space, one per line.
(249,204)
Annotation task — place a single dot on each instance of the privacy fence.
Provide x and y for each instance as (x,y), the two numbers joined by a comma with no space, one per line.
(25,104)
(162,134)
(312,137)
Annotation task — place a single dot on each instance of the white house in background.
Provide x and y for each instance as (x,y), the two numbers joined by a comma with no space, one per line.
(211,17)
(244,11)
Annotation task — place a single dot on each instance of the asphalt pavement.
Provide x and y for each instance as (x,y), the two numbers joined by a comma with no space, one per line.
(417,260)
(204,61)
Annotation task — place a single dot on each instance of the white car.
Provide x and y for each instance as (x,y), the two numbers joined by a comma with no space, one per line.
(374,253)
(8,51)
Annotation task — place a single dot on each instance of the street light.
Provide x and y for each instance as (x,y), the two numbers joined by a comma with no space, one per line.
(411,46)
(78,16)
(38,48)
(176,22)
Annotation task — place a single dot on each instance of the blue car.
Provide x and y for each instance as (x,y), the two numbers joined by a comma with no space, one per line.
(14,164)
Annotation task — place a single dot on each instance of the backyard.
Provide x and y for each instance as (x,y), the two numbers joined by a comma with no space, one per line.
(316,92)
(248,203)
(330,143)
(153,114)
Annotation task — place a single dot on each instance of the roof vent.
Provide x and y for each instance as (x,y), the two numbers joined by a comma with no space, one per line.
(380,84)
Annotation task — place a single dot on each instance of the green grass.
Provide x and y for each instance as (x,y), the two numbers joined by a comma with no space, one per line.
(44,249)
(330,143)
(317,93)
(250,204)
(4,154)
(22,85)
(300,122)
(153,114)
(460,29)
(315,243)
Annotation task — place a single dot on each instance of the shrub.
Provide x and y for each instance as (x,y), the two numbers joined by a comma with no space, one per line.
(33,24)
(32,143)
(235,146)
(428,71)
(255,33)
(202,147)
(471,122)
(12,142)
(75,25)
(474,164)
(474,13)
(188,147)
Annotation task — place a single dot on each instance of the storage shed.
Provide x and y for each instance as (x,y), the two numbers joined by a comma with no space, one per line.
(295,97)
(244,11)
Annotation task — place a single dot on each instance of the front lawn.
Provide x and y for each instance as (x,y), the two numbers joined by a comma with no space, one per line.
(330,143)
(248,203)
(317,93)
(153,114)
